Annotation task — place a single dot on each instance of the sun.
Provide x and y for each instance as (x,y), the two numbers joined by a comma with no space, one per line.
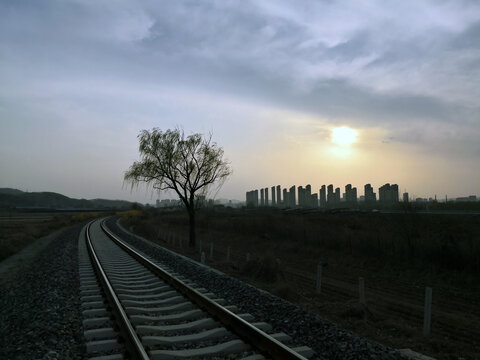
(343,135)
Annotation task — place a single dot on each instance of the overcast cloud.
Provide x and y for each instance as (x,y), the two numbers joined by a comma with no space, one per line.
(79,80)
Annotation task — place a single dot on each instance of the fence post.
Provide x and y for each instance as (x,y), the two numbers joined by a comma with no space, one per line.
(248,257)
(319,277)
(200,246)
(228,254)
(427,316)
(211,251)
(202,258)
(361,290)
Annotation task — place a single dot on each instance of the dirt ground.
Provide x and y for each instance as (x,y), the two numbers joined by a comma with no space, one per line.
(16,263)
(394,292)
(18,230)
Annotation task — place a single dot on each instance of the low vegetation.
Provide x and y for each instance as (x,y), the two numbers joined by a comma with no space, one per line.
(427,241)
(20,229)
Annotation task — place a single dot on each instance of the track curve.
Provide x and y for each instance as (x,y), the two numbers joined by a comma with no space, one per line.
(160,315)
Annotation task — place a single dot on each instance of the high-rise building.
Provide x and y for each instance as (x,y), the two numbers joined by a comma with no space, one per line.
(323,196)
(305,197)
(350,194)
(252,198)
(330,194)
(327,196)
(308,196)
(383,193)
(301,196)
(370,196)
(292,198)
(388,194)
(394,193)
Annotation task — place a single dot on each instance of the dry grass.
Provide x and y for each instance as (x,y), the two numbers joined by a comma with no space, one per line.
(18,230)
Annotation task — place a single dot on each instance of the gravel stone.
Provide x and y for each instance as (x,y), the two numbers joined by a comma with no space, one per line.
(328,340)
(40,313)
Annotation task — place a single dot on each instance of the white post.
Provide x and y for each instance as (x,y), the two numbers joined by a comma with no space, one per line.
(427,316)
(228,254)
(248,257)
(361,290)
(319,277)
(202,258)
(211,250)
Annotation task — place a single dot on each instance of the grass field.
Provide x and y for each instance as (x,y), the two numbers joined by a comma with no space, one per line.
(19,229)
(397,255)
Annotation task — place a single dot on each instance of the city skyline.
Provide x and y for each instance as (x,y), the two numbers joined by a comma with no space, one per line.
(331,195)
(346,92)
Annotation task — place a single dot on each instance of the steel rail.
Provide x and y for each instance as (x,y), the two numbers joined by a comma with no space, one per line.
(261,341)
(133,343)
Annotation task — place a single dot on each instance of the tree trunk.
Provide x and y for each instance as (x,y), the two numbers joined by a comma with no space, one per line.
(191,218)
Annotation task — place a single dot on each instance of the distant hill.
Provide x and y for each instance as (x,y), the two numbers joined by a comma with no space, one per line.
(111,203)
(10,191)
(13,198)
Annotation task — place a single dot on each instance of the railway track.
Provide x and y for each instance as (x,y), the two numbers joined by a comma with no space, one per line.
(134,308)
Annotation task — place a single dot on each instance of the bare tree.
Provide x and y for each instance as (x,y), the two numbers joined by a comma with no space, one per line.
(189,165)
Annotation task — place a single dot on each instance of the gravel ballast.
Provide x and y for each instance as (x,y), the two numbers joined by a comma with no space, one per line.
(40,307)
(328,340)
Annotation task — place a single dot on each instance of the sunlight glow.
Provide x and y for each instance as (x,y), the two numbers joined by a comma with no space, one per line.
(341,152)
(343,136)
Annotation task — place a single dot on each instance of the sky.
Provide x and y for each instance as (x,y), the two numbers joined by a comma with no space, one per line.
(271,80)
